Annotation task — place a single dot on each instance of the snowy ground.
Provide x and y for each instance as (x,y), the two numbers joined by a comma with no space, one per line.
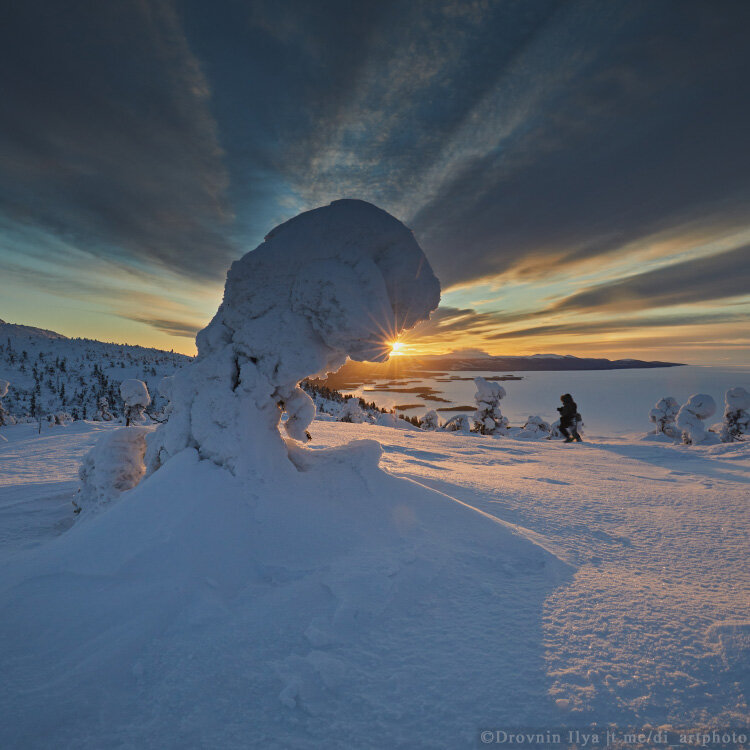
(649,622)
(655,624)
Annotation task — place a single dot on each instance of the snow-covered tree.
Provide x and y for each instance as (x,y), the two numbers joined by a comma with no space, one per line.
(459,423)
(352,411)
(663,416)
(103,414)
(690,418)
(488,418)
(430,421)
(535,427)
(342,280)
(736,415)
(4,417)
(135,395)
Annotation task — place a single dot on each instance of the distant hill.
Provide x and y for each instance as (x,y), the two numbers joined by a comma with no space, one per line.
(50,373)
(353,374)
(535,362)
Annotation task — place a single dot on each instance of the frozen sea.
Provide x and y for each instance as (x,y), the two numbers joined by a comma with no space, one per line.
(612,402)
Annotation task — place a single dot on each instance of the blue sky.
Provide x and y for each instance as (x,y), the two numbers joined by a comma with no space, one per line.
(578,173)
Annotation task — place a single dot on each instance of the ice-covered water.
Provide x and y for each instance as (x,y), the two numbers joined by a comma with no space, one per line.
(612,402)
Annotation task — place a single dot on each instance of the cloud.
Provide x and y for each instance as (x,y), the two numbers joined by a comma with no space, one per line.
(173,327)
(449,321)
(615,325)
(720,276)
(612,130)
(106,137)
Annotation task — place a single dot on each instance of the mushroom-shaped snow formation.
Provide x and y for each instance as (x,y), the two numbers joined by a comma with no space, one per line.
(663,415)
(690,418)
(135,395)
(736,415)
(342,280)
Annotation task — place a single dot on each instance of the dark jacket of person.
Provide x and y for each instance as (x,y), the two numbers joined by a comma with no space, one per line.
(568,411)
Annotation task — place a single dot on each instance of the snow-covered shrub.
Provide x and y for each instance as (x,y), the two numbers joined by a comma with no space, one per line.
(459,423)
(430,421)
(488,418)
(113,465)
(135,395)
(103,414)
(736,415)
(389,419)
(663,416)
(535,427)
(351,411)
(61,418)
(690,418)
(4,416)
(340,280)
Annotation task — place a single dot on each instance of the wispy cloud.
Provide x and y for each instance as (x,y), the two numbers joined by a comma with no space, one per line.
(721,276)
(106,136)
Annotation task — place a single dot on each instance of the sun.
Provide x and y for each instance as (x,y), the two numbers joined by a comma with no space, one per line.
(397,349)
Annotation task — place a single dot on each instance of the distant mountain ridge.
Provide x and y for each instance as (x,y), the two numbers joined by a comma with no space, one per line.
(534,362)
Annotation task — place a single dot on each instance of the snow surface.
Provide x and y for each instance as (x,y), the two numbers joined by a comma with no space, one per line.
(360,609)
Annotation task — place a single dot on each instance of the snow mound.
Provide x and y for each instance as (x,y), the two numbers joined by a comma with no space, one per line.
(273,607)
(690,418)
(4,385)
(535,427)
(342,280)
(112,466)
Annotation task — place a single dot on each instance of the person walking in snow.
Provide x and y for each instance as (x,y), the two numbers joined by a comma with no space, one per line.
(569,418)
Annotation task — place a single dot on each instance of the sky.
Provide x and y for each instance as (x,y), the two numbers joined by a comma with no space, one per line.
(577,173)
